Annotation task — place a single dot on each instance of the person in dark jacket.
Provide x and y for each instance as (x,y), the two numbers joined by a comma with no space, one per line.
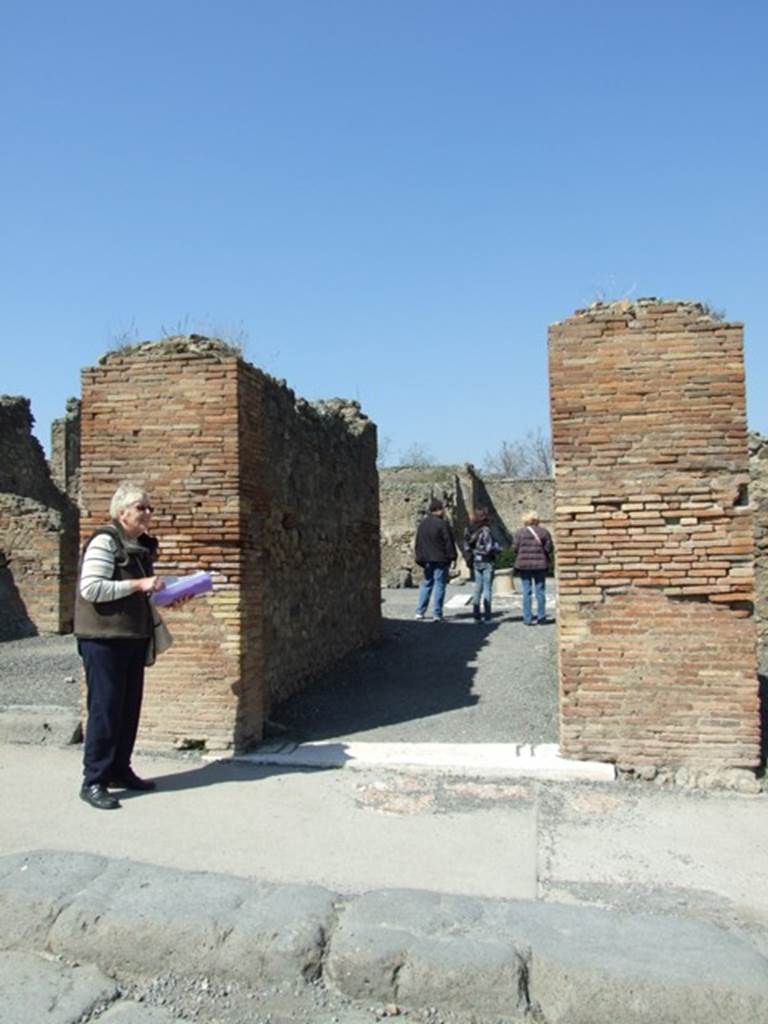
(435,551)
(533,554)
(480,550)
(113,625)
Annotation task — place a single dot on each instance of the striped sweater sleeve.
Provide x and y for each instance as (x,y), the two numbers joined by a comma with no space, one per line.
(96,583)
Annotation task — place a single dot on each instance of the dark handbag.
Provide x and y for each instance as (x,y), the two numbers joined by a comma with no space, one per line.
(161,638)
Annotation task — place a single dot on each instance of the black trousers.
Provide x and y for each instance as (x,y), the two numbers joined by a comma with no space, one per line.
(114,674)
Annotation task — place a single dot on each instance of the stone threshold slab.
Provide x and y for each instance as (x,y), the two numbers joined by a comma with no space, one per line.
(500,760)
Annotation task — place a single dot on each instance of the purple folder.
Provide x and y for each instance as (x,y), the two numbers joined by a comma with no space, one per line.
(184,586)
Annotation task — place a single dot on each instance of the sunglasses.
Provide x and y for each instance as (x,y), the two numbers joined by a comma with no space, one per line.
(143,508)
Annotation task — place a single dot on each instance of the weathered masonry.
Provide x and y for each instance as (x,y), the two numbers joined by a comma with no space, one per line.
(655,537)
(758,495)
(277,498)
(38,533)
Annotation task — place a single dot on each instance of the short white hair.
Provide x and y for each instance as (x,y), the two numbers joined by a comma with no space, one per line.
(127,493)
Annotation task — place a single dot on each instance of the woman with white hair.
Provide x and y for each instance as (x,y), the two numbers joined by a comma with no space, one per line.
(533,554)
(113,626)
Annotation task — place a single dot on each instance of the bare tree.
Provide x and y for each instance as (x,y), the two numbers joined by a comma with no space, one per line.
(416,455)
(383,451)
(529,457)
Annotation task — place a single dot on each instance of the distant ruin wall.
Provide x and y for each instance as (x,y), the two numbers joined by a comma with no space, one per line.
(65,450)
(511,497)
(38,533)
(654,536)
(244,481)
(405,492)
(404,496)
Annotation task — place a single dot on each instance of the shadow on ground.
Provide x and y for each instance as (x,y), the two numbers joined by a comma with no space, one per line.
(457,682)
(417,670)
(214,773)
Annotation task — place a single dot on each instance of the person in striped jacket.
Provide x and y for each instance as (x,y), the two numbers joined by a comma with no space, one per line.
(113,626)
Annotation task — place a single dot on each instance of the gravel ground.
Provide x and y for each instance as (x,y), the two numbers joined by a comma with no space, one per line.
(209,1001)
(39,670)
(459,682)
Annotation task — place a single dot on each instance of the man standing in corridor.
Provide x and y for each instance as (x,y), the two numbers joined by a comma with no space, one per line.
(435,550)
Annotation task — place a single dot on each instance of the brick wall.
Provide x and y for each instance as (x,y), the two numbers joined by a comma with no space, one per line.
(758,464)
(654,537)
(38,533)
(199,427)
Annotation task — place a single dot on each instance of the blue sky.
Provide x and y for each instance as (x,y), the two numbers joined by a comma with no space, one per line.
(390,200)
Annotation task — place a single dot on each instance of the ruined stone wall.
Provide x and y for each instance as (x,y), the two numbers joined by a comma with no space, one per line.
(210,437)
(321,535)
(65,451)
(654,536)
(758,465)
(404,496)
(38,533)
(510,498)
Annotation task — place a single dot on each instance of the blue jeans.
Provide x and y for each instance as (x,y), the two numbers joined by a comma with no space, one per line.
(482,585)
(435,575)
(534,578)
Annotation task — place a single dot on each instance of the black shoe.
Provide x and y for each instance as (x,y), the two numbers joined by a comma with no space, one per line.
(130,780)
(97,796)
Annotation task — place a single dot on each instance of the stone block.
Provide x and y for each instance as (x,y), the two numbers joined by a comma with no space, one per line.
(50,725)
(34,889)
(570,965)
(195,923)
(35,989)
(426,949)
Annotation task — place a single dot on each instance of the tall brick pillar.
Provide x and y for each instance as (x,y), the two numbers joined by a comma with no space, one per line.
(168,418)
(654,537)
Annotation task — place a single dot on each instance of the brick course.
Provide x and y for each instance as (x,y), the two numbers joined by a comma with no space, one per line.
(654,537)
